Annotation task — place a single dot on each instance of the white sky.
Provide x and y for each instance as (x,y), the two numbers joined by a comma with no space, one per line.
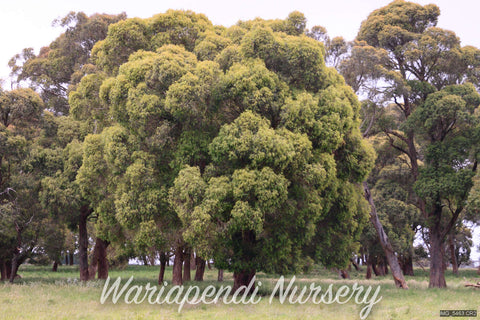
(27,23)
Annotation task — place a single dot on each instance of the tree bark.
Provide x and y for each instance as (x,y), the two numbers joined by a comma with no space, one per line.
(369,271)
(220,275)
(344,274)
(407,265)
(161,273)
(199,272)
(453,256)
(387,247)
(177,266)
(66,259)
(437,272)
(8,269)
(85,211)
(187,276)
(437,250)
(55,266)
(381,269)
(14,265)
(70,258)
(3,270)
(193,261)
(355,264)
(102,270)
(93,266)
(243,278)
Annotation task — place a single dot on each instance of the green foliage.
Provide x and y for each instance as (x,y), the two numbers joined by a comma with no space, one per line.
(238,142)
(65,60)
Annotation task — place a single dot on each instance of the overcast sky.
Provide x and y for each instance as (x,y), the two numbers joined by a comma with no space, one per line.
(28,23)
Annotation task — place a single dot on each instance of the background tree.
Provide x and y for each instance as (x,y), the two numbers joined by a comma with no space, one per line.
(415,66)
(22,215)
(65,60)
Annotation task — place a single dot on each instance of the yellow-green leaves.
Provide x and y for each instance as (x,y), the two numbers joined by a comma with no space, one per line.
(251,142)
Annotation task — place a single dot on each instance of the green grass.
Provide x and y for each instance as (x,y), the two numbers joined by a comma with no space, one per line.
(42,294)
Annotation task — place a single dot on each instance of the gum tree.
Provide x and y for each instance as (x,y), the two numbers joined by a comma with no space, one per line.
(238,142)
(425,73)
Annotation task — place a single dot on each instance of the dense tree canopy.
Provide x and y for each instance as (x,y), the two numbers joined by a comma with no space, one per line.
(255,138)
(243,145)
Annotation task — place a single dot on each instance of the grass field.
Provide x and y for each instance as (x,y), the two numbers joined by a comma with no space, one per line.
(42,294)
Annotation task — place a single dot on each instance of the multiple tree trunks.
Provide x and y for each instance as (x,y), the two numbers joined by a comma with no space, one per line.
(243,278)
(99,264)
(387,247)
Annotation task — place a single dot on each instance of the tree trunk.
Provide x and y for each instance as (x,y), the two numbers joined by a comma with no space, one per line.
(355,264)
(437,249)
(70,258)
(375,269)
(344,274)
(243,278)
(453,256)
(407,265)
(3,270)
(177,266)
(437,272)
(102,259)
(193,261)
(55,266)
(93,266)
(85,211)
(163,262)
(381,269)
(387,247)
(209,265)
(200,263)
(151,259)
(14,265)
(66,259)
(369,271)
(220,275)
(187,276)
(8,269)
